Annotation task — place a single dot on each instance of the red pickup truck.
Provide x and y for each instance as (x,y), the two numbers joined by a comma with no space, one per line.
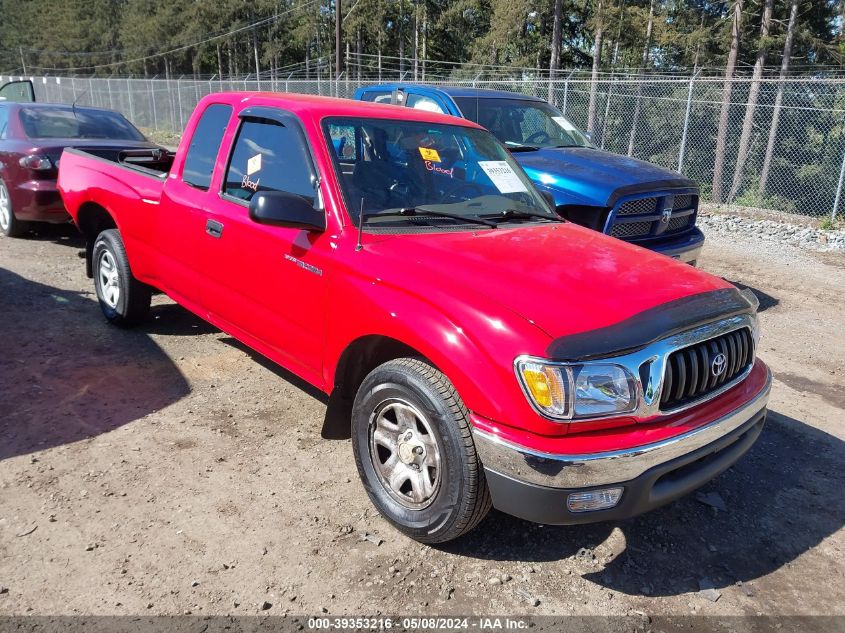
(485,351)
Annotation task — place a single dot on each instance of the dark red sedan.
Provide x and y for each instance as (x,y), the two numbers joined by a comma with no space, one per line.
(32,137)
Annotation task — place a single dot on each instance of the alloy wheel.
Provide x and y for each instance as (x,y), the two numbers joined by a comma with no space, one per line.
(405,453)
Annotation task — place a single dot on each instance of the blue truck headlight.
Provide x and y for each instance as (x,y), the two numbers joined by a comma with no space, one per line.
(580,390)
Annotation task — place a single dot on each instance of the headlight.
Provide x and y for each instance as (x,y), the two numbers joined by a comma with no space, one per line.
(572,391)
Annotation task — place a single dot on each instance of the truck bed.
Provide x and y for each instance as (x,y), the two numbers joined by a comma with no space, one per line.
(153,162)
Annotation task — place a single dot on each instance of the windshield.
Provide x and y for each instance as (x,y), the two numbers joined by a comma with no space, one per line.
(523,123)
(83,123)
(395,169)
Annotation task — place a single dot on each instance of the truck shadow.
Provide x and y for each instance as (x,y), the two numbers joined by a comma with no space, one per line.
(782,499)
(62,234)
(67,376)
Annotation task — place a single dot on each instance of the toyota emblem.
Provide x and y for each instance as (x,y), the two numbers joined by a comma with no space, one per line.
(719,364)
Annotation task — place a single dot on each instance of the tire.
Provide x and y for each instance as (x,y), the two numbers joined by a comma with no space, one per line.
(415,453)
(124,300)
(9,224)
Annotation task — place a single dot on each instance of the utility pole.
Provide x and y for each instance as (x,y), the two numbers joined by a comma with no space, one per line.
(416,40)
(338,48)
(401,38)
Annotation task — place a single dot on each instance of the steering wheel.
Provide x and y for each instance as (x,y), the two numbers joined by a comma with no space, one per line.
(540,136)
(461,187)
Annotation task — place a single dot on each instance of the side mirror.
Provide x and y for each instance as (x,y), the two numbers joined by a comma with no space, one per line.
(286,209)
(589,136)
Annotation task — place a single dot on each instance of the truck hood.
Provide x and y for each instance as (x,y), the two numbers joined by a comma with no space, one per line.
(594,174)
(561,277)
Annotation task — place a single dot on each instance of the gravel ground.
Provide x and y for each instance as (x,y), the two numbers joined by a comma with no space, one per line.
(168,470)
(774,232)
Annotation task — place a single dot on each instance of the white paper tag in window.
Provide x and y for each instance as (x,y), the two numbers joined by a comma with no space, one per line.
(253,165)
(566,125)
(503,176)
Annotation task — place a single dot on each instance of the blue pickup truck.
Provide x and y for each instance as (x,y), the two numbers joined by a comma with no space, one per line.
(624,197)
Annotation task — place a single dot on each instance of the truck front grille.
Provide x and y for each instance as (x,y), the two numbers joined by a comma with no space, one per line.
(632,229)
(643,218)
(642,206)
(695,371)
(676,224)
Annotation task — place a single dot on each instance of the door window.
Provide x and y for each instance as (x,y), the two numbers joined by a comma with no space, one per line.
(205,144)
(419,102)
(268,156)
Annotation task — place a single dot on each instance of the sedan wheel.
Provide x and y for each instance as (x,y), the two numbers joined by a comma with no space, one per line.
(9,225)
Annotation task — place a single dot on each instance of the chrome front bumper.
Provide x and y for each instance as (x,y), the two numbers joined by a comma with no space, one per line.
(596,469)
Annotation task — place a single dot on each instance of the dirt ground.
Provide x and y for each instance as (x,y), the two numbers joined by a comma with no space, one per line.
(167,470)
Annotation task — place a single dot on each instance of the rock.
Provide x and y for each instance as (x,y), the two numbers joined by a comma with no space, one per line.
(585,554)
(447,592)
(532,600)
(90,547)
(266,605)
(372,538)
(707,590)
(506,578)
(3,590)
(196,583)
(495,580)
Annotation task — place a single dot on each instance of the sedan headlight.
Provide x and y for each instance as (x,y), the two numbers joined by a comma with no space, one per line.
(573,391)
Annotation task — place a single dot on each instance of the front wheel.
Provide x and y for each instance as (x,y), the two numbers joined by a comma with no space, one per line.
(123,299)
(415,454)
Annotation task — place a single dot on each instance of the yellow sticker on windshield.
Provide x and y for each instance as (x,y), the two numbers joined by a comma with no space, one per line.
(429,154)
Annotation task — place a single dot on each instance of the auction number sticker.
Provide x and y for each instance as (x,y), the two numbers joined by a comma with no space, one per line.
(503,176)
(429,153)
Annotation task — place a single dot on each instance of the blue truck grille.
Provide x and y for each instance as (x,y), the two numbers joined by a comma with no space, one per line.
(644,218)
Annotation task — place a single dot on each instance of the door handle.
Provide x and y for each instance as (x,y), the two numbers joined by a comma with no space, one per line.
(214,228)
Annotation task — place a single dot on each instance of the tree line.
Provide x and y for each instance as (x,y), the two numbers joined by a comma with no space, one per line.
(235,37)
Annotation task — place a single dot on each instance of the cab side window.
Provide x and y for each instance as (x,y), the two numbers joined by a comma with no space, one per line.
(205,143)
(268,156)
(420,102)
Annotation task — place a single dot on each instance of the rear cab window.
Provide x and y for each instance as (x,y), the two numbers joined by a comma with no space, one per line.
(268,156)
(205,145)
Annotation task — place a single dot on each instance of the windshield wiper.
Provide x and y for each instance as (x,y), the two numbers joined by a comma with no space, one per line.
(509,214)
(423,210)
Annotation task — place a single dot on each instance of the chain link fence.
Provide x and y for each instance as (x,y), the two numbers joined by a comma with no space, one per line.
(793,159)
